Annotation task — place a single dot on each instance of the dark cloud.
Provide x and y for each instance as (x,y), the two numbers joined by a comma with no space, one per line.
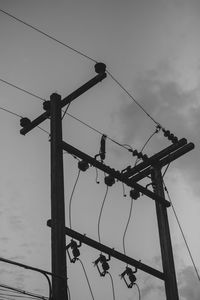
(173,107)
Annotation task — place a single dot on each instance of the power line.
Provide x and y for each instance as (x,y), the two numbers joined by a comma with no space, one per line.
(127,224)
(99,219)
(183,235)
(86,276)
(21,89)
(112,282)
(84,55)
(70,200)
(21,291)
(138,288)
(134,100)
(47,35)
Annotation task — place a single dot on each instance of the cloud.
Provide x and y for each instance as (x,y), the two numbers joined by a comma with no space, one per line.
(189,287)
(160,92)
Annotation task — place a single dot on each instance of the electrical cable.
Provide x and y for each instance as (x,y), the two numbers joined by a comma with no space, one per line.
(21,89)
(82,54)
(136,102)
(99,219)
(68,105)
(127,224)
(86,276)
(47,35)
(112,282)
(69,294)
(139,293)
(125,146)
(70,200)
(147,141)
(183,235)
(166,170)
(20,291)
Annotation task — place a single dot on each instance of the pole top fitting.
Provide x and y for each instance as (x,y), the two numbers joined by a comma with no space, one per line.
(100,68)
(55,96)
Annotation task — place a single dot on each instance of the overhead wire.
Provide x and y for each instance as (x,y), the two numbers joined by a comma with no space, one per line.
(182,233)
(131,206)
(17,290)
(125,146)
(127,225)
(21,89)
(100,214)
(47,35)
(84,55)
(86,276)
(71,197)
(112,283)
(138,288)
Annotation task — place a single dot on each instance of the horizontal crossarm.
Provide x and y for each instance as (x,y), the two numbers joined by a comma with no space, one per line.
(110,251)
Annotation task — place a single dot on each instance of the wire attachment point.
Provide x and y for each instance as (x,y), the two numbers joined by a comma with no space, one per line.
(75,251)
(105,266)
(130,274)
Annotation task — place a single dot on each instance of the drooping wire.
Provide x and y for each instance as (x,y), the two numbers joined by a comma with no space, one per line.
(147,141)
(86,276)
(139,293)
(47,35)
(17,115)
(68,291)
(134,100)
(70,200)
(181,230)
(112,283)
(127,224)
(100,214)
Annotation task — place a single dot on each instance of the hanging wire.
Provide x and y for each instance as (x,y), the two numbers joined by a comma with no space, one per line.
(99,219)
(127,224)
(68,291)
(183,235)
(86,276)
(139,293)
(70,200)
(112,282)
(47,35)
(147,141)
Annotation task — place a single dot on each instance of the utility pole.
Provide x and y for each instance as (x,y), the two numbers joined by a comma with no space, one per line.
(58,242)
(165,239)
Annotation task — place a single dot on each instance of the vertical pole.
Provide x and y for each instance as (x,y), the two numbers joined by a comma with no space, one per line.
(165,239)
(58,243)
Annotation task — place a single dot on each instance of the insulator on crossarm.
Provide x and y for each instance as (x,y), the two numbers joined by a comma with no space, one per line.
(171,137)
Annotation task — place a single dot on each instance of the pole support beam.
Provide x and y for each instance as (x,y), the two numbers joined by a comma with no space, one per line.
(110,251)
(165,239)
(116,174)
(58,242)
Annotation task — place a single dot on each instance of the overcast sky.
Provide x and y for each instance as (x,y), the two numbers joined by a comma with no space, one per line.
(152,48)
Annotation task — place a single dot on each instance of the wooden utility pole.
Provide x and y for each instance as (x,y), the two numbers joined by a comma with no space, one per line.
(165,239)
(58,242)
